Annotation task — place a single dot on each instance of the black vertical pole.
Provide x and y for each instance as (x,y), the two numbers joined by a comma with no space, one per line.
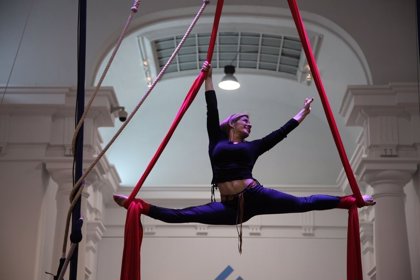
(76,232)
(418,49)
(418,28)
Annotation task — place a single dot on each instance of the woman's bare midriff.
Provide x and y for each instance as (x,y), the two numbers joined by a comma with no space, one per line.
(234,187)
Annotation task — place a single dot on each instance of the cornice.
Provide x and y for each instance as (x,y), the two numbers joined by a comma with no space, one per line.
(58,102)
(361,101)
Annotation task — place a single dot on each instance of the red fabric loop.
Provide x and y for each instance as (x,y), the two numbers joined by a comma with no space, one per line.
(354,264)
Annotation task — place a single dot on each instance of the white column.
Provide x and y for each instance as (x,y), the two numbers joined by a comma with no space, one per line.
(386,158)
(60,171)
(62,177)
(390,231)
(36,128)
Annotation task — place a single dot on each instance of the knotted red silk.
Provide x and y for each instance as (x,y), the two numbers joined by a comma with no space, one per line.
(130,268)
(354,263)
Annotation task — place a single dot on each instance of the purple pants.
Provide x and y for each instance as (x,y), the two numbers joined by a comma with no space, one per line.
(257,201)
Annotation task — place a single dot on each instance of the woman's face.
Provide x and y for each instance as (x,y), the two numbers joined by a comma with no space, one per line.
(242,127)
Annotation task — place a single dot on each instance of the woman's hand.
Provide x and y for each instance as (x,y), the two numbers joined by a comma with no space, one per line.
(307,104)
(206,68)
(301,115)
(208,82)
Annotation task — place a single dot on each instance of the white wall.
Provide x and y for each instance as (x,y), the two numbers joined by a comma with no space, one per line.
(206,258)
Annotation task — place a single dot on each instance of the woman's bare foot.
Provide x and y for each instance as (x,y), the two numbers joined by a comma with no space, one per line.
(120,199)
(349,201)
(369,201)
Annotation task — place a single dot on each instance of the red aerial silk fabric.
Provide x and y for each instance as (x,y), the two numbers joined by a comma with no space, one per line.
(354,263)
(133,236)
(130,269)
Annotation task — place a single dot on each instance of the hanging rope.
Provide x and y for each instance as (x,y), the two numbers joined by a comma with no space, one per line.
(76,191)
(78,187)
(134,10)
(354,263)
(133,235)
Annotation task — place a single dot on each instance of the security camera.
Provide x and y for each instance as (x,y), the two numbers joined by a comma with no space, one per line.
(122,113)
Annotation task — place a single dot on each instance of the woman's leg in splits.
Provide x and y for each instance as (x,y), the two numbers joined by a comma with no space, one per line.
(260,200)
(214,213)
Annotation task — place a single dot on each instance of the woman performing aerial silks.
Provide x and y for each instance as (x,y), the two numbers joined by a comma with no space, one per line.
(232,160)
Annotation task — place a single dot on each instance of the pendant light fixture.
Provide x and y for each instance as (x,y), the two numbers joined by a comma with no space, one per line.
(229,82)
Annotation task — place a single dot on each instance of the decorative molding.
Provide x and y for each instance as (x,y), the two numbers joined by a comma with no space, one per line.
(398,172)
(94,232)
(149,230)
(202,230)
(362,101)
(255,230)
(372,273)
(308,223)
(103,173)
(61,172)
(87,273)
(366,237)
(192,230)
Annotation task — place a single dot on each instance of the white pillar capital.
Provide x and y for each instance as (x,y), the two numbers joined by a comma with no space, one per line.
(389,118)
(394,172)
(386,157)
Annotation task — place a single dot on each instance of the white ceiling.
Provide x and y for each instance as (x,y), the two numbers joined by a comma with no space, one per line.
(307,156)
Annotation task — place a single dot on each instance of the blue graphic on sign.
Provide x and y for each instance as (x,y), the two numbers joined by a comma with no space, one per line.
(225,274)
